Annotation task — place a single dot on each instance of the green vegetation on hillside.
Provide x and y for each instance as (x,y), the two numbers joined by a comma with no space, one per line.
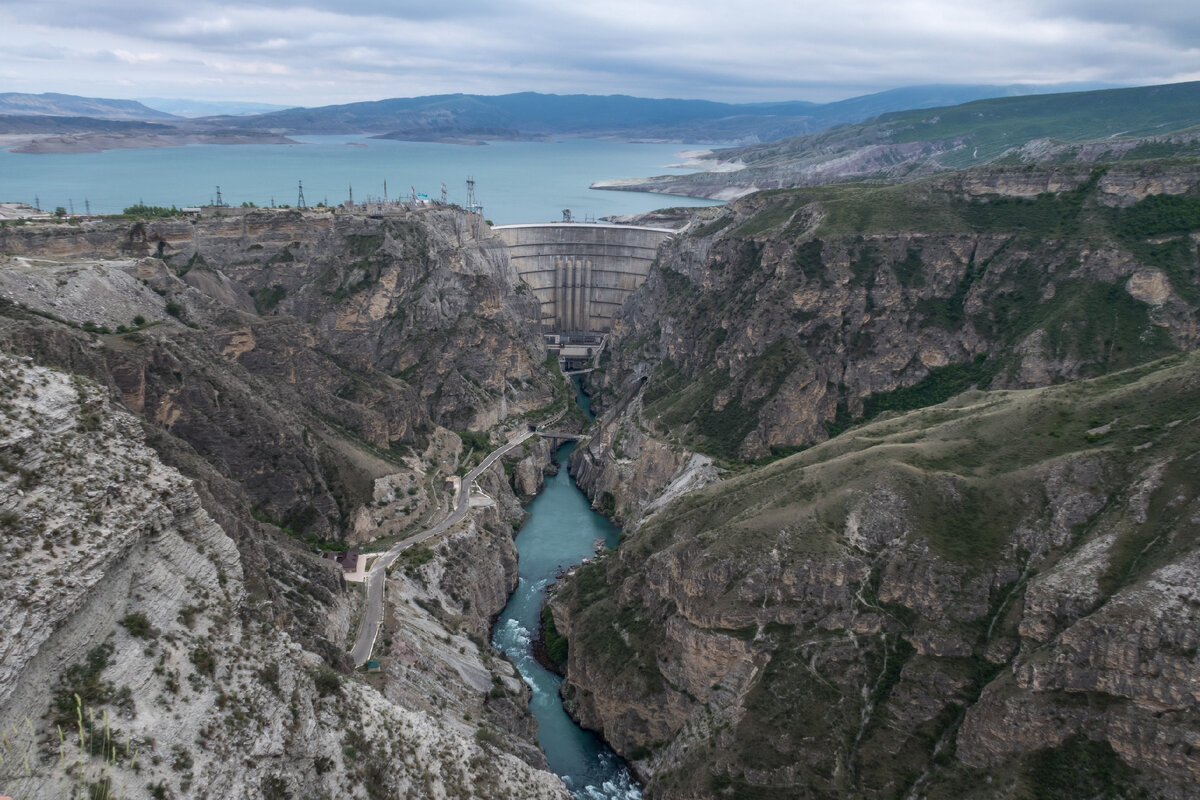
(266,299)
(995,125)
(981,131)
(556,643)
(143,210)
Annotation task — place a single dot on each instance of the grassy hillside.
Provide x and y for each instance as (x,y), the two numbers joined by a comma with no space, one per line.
(995,125)
(69,105)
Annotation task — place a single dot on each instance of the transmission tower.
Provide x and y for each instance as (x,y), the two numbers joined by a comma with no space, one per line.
(37,202)
(471,194)
(352,195)
(220,202)
(300,196)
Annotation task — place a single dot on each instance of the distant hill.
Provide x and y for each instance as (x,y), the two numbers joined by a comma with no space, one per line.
(69,105)
(529,115)
(208,108)
(1104,125)
(525,115)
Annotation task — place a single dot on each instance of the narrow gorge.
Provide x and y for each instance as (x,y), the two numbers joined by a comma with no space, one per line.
(905,477)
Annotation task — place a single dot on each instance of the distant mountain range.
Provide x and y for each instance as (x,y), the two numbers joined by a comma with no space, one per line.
(525,115)
(529,115)
(69,105)
(208,108)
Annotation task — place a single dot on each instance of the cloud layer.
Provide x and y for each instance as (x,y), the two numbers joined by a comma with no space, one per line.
(313,52)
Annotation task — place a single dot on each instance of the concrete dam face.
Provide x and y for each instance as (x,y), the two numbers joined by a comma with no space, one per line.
(581,272)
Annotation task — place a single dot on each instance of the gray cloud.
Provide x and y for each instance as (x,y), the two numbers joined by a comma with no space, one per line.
(317,51)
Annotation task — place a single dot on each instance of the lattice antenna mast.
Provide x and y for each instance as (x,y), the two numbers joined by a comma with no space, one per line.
(443,193)
(300,196)
(352,195)
(472,203)
(385,200)
(220,202)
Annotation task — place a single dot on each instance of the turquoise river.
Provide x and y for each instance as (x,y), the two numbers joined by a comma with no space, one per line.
(561,531)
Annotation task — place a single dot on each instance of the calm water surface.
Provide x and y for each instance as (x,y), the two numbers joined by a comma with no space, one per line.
(560,532)
(515,181)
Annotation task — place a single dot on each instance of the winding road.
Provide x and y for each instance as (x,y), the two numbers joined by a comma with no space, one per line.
(368,632)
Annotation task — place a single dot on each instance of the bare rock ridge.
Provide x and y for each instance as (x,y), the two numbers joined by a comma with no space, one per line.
(290,383)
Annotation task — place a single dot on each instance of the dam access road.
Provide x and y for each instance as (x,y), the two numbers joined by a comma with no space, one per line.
(368,631)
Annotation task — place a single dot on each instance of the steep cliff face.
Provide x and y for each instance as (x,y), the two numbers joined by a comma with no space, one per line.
(974,599)
(628,472)
(792,314)
(422,295)
(308,411)
(136,660)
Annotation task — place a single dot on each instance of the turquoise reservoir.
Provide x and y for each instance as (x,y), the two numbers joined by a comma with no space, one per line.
(559,533)
(515,181)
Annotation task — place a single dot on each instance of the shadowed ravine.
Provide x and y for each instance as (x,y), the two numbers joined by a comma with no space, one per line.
(561,531)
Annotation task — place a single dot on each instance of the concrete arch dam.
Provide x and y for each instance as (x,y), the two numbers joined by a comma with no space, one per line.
(581,272)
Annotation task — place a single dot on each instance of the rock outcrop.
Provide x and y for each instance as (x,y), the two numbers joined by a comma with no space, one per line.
(130,629)
(948,602)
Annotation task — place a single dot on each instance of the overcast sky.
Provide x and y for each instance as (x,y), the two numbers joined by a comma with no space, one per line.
(316,52)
